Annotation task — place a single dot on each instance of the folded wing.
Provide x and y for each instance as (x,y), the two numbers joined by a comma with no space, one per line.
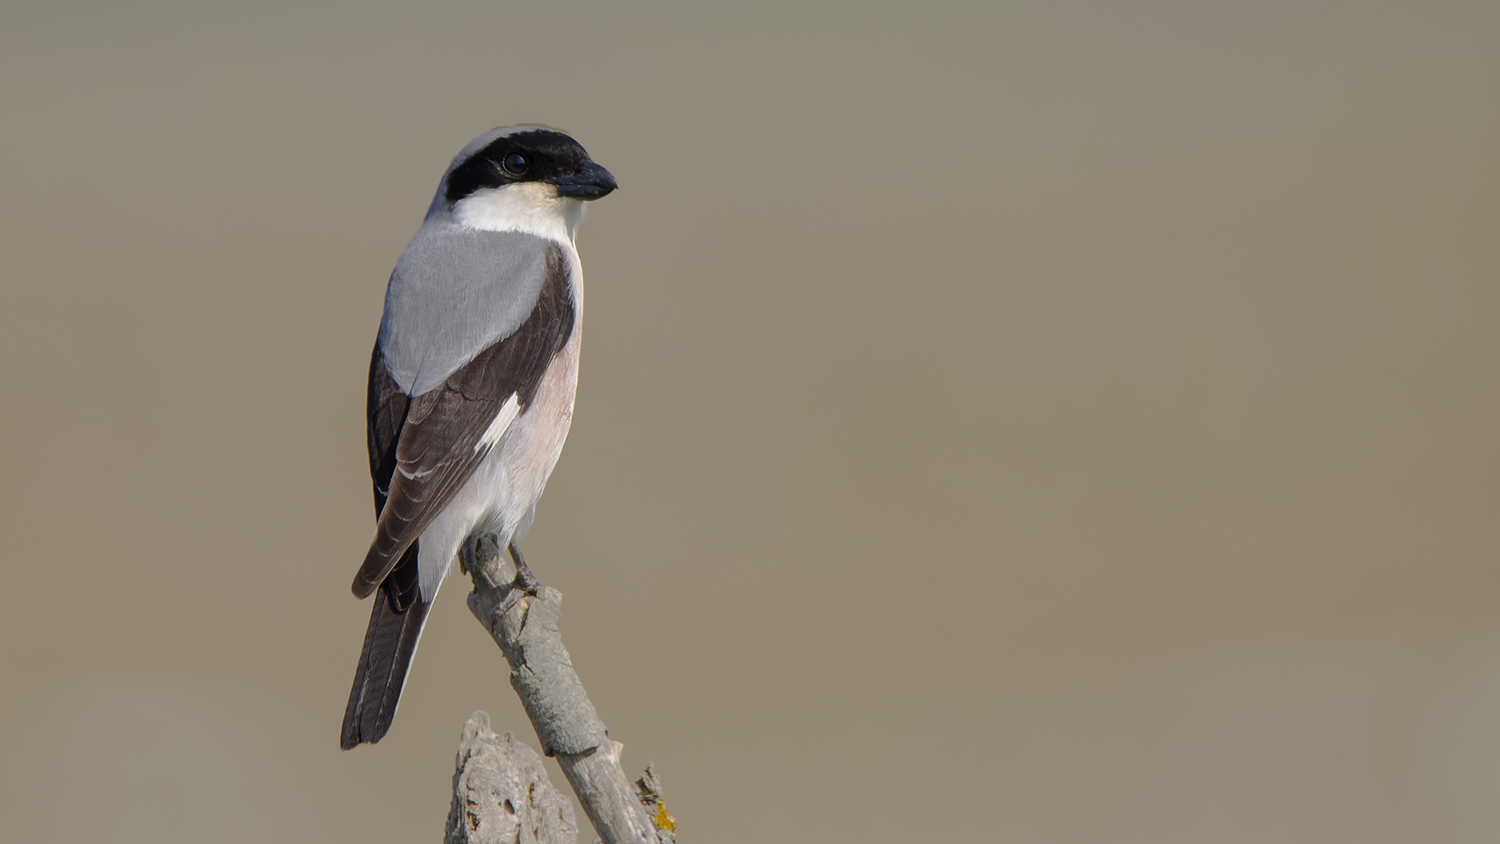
(424,448)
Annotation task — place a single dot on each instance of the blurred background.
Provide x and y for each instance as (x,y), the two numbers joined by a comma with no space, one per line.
(1050,422)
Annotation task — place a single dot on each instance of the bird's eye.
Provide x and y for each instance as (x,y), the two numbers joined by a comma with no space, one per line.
(515,164)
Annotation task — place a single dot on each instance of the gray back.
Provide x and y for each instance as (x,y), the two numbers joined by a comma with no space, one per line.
(456,291)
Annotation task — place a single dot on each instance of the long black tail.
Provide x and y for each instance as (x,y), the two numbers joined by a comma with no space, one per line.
(390,641)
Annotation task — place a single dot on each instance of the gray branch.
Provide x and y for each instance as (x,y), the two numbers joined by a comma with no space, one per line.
(501,794)
(525,628)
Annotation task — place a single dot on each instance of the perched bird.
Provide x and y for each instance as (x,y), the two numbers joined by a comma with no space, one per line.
(471,384)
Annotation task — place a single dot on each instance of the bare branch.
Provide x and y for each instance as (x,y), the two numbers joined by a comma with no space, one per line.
(501,793)
(525,628)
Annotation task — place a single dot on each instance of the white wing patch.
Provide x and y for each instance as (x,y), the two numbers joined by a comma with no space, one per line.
(508,413)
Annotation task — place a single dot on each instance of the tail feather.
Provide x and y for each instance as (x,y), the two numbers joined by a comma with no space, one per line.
(390,642)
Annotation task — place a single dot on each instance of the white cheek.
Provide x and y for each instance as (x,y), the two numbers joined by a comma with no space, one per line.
(573,214)
(528,207)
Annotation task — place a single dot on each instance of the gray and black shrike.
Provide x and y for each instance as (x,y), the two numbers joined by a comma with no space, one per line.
(471,384)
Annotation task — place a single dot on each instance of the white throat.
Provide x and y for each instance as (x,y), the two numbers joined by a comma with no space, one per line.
(527,207)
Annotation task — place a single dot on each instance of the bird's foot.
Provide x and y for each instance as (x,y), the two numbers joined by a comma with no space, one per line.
(525,579)
(477,552)
(525,582)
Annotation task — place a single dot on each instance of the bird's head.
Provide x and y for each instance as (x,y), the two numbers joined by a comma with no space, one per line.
(522,178)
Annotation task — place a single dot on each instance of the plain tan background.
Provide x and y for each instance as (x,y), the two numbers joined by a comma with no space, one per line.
(1063,422)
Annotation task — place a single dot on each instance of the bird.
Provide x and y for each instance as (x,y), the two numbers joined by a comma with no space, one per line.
(472,383)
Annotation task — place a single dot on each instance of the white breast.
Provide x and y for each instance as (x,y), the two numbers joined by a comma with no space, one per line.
(501,493)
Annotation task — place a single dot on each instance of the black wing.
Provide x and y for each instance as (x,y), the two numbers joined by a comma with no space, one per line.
(422,448)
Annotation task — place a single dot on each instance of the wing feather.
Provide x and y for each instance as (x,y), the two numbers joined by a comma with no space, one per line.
(440,439)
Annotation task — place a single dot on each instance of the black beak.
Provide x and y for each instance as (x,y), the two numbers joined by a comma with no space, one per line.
(591,182)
